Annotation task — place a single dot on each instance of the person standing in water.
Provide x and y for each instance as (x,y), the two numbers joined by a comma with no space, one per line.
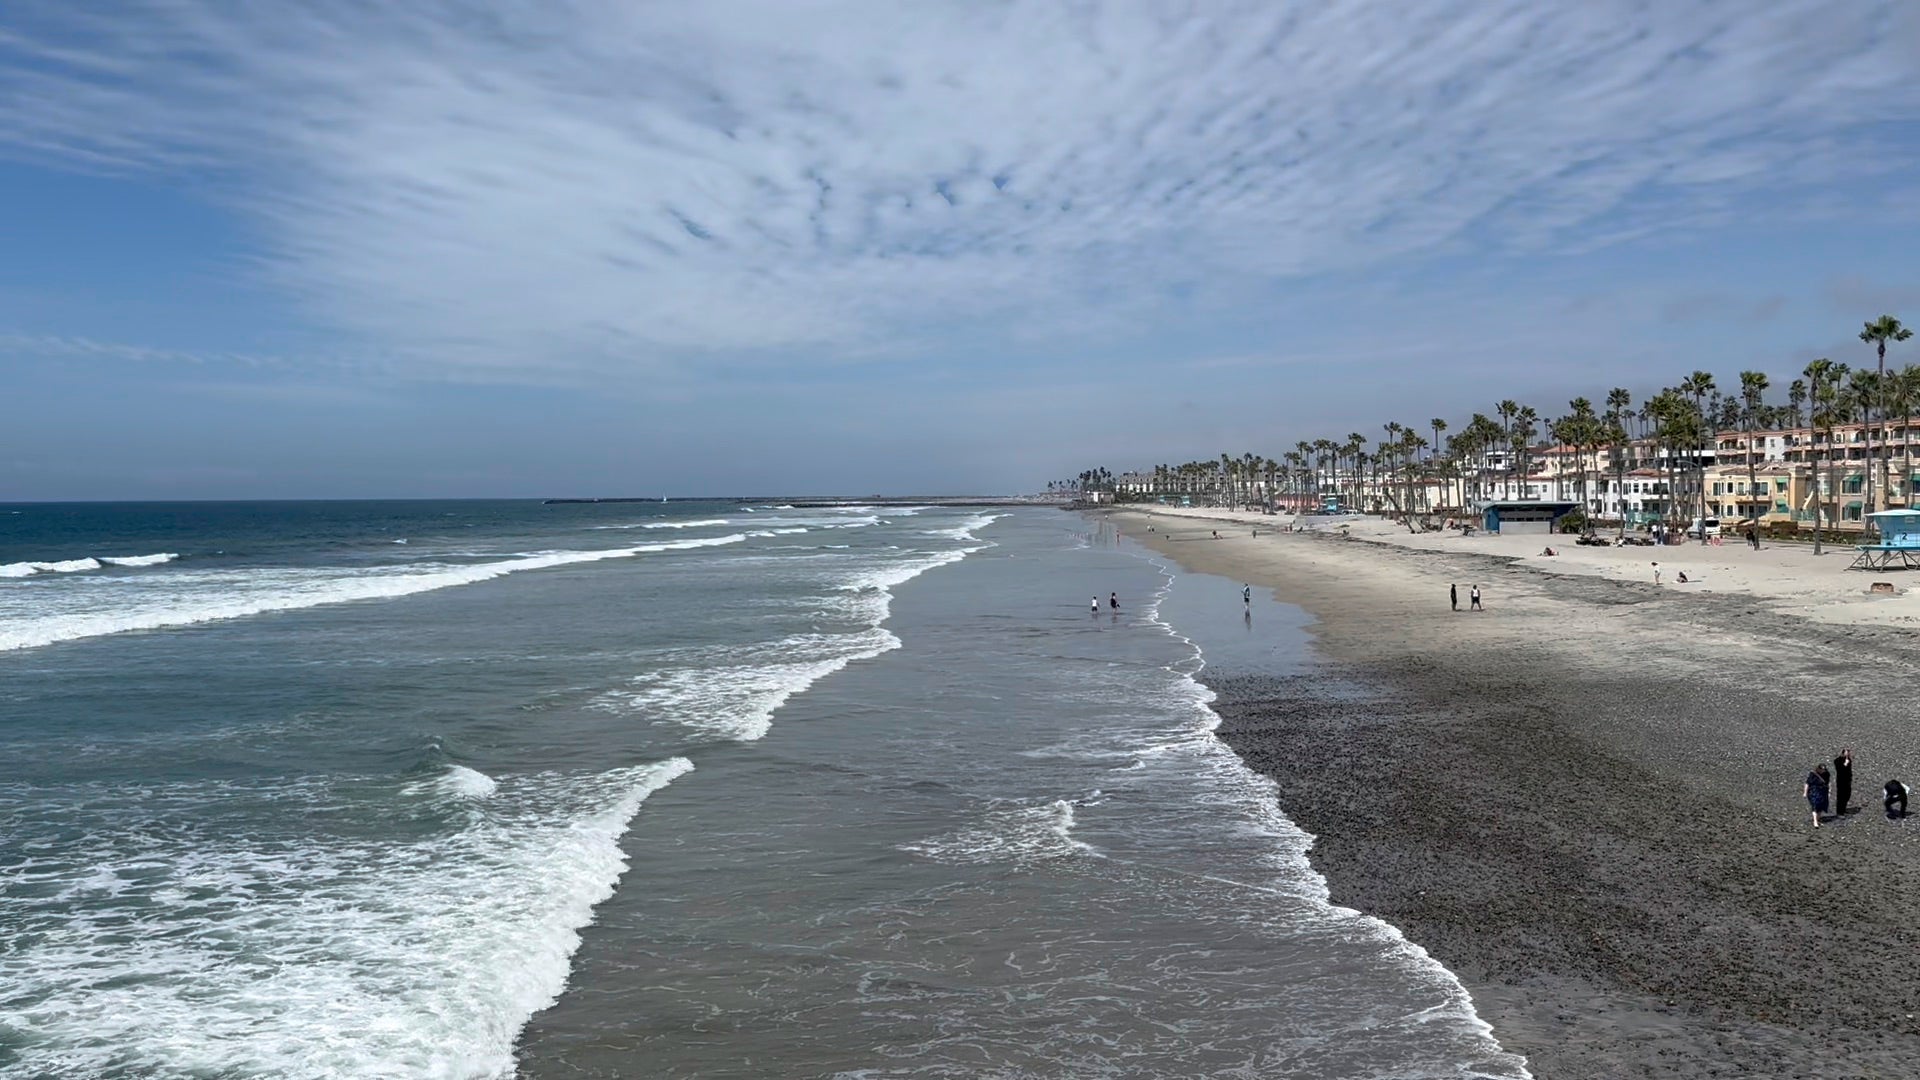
(1113,601)
(1842,780)
(1453,596)
(1246,596)
(1096,605)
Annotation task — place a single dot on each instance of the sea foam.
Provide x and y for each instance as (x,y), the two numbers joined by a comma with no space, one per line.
(241,958)
(74,566)
(216,595)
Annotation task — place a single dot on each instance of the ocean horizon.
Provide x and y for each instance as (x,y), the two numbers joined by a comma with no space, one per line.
(489,788)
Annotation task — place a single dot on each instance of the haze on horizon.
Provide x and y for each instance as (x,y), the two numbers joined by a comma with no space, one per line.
(459,248)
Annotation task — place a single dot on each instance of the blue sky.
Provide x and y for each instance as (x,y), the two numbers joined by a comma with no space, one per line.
(461,248)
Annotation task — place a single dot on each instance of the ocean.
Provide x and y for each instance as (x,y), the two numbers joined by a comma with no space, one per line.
(489,789)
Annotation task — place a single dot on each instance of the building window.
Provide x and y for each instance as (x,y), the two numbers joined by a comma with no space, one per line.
(1851,513)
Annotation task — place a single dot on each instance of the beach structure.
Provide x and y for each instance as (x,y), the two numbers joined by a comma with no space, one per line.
(1527,517)
(1898,547)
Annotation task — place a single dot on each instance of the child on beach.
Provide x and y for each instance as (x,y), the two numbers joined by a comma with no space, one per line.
(1096,605)
(1815,789)
(1895,800)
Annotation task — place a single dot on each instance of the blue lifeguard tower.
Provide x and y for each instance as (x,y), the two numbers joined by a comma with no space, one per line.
(1899,544)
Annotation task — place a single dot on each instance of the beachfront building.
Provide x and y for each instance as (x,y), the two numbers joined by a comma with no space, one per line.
(1845,455)
(1640,495)
(1525,517)
(1770,494)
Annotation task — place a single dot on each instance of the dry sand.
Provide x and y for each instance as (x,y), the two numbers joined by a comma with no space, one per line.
(1586,799)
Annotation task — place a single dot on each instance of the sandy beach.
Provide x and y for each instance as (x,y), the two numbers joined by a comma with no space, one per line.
(1586,799)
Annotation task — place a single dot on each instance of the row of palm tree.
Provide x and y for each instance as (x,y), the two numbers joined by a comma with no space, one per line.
(1676,427)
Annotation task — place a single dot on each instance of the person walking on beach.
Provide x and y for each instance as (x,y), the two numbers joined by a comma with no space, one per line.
(1656,573)
(1453,596)
(1842,781)
(1895,800)
(1815,789)
(1473,599)
(1246,596)
(1753,538)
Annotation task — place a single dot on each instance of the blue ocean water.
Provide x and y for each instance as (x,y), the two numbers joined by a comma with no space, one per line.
(482,789)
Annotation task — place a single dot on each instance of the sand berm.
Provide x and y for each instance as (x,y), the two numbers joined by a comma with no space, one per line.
(1586,799)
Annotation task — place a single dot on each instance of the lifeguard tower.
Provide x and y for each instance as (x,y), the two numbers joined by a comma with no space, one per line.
(1899,545)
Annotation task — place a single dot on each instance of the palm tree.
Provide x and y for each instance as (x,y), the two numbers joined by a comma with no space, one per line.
(1697,386)
(1877,333)
(1796,400)
(1619,407)
(1859,401)
(1521,438)
(1753,389)
(1822,375)
(1579,430)
(1507,410)
(1355,445)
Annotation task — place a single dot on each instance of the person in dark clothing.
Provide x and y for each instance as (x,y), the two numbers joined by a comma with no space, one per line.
(1895,800)
(1113,601)
(1842,780)
(1815,789)
(1753,538)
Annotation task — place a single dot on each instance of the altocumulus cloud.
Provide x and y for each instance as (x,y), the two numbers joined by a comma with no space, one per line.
(588,184)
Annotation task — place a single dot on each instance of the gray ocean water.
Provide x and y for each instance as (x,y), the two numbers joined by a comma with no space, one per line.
(494,789)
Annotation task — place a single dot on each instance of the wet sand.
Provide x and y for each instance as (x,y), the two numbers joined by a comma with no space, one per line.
(1585,800)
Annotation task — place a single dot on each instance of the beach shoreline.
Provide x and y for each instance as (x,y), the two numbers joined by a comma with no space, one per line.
(1585,799)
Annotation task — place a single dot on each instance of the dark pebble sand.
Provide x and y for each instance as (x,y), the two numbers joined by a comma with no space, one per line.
(1586,802)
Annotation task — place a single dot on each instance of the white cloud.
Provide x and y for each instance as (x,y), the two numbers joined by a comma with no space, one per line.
(582,183)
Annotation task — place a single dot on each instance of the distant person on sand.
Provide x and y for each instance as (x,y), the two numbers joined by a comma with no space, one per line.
(1895,800)
(1753,538)
(1453,596)
(1656,573)
(1842,780)
(1473,599)
(1815,789)
(1113,601)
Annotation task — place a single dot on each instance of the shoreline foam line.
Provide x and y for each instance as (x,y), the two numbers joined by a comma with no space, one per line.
(1459,1003)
